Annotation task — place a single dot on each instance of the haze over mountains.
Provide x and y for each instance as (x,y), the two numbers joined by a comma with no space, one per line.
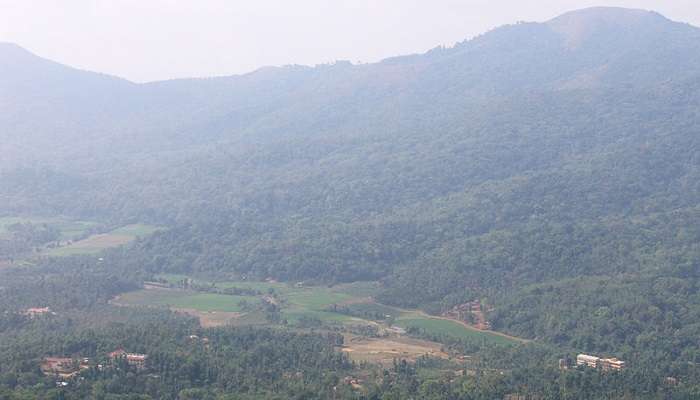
(591,49)
(563,154)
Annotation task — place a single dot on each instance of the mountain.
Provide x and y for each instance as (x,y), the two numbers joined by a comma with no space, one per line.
(593,47)
(532,162)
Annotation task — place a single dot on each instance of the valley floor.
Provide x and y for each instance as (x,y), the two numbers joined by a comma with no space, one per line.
(374,332)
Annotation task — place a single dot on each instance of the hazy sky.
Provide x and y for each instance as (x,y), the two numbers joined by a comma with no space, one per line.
(146,40)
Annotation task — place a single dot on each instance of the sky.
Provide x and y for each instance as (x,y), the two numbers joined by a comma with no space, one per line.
(147,40)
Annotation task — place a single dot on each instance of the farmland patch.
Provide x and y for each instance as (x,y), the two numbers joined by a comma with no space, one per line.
(386,350)
(96,243)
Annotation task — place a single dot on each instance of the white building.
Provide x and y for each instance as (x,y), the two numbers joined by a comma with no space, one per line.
(606,364)
(589,361)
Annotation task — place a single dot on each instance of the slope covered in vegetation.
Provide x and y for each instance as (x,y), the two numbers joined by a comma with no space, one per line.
(551,169)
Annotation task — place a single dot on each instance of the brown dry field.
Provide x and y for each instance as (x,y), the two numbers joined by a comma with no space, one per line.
(385,350)
(92,245)
(356,300)
(211,319)
(102,241)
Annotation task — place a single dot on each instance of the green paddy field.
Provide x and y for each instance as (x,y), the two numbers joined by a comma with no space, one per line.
(297,303)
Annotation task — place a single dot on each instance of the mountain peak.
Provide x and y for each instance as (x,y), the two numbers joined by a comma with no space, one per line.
(577,26)
(15,56)
(8,45)
(9,48)
(608,15)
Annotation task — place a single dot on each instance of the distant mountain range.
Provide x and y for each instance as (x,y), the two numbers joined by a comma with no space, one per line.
(45,106)
(536,160)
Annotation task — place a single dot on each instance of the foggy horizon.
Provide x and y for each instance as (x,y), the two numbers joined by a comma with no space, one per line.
(163,40)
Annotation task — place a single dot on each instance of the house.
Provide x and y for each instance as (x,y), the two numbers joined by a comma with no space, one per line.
(671,381)
(37,311)
(133,359)
(563,364)
(117,354)
(136,360)
(606,364)
(588,361)
(612,364)
(396,330)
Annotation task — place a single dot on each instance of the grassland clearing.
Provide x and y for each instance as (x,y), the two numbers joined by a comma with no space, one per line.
(91,245)
(211,319)
(212,309)
(359,289)
(136,230)
(300,302)
(295,302)
(99,242)
(318,299)
(183,299)
(442,326)
(72,237)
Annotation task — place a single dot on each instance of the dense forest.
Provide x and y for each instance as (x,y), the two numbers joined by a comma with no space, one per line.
(551,172)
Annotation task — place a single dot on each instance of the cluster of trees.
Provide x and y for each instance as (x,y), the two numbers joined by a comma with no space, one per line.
(258,363)
(22,238)
(65,284)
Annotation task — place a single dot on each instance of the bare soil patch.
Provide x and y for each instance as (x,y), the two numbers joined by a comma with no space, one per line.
(356,300)
(386,350)
(104,240)
(210,319)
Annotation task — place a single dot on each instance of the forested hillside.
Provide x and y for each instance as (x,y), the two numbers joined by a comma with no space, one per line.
(552,169)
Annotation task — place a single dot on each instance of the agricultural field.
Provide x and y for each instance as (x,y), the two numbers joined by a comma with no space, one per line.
(23,239)
(295,302)
(385,350)
(343,305)
(98,242)
(136,230)
(346,308)
(445,327)
(212,309)
(184,299)
(63,237)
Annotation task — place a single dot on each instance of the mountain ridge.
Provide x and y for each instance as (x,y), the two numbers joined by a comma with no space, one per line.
(497,63)
(548,173)
(592,17)
(507,167)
